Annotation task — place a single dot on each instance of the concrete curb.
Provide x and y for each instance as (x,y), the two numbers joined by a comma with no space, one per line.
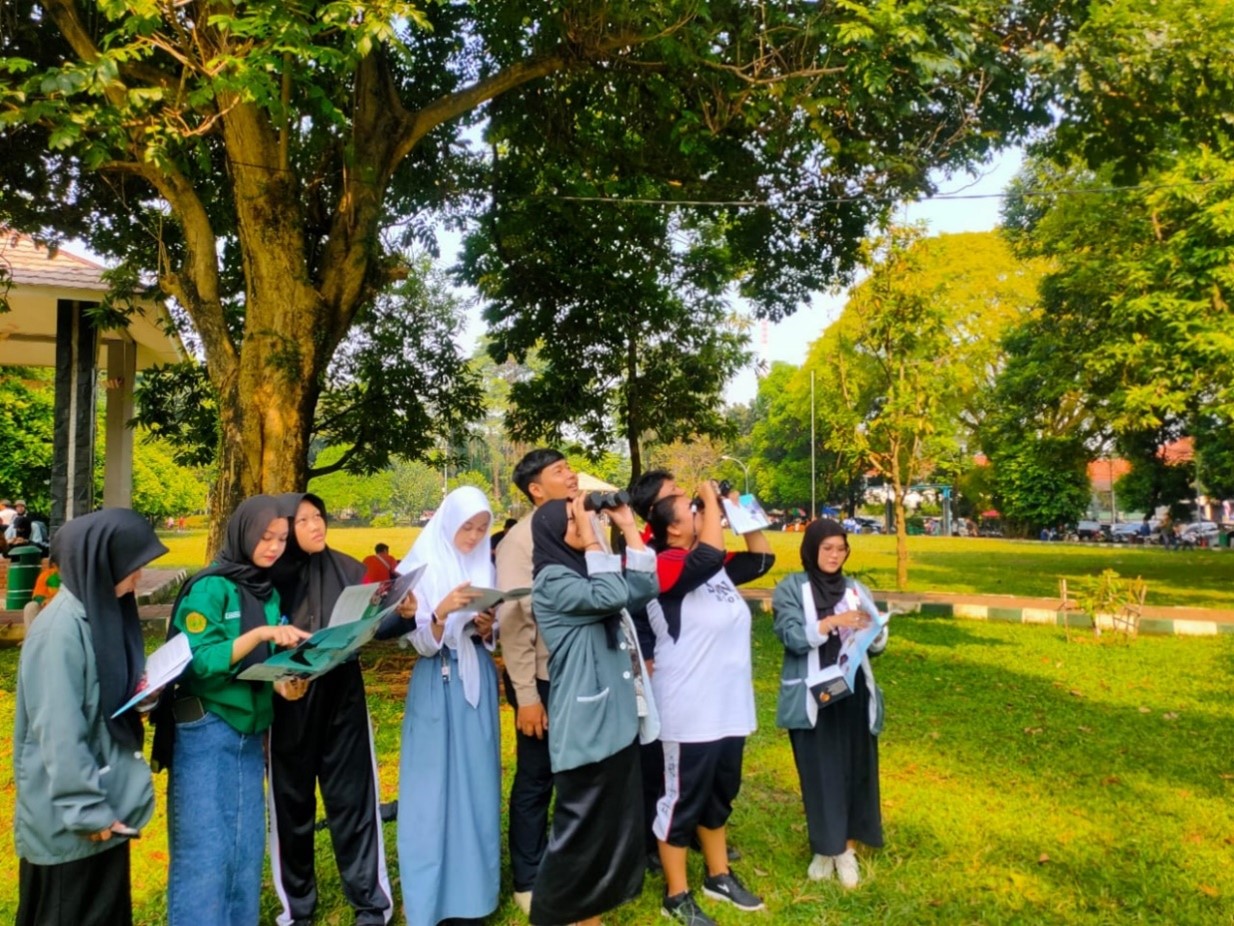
(1043,614)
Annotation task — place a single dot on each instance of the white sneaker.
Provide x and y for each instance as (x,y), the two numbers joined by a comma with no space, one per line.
(846,869)
(822,868)
(522,900)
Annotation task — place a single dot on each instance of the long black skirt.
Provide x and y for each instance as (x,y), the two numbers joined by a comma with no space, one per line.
(837,765)
(595,859)
(93,891)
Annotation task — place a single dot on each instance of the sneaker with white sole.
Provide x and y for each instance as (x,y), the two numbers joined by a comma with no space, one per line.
(726,887)
(822,868)
(846,869)
(685,909)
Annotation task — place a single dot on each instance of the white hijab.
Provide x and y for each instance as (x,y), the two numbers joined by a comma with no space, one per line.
(447,568)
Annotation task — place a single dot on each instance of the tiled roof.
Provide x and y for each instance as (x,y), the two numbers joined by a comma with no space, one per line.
(32,264)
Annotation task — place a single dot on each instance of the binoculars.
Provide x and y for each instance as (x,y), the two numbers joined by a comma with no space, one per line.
(600,501)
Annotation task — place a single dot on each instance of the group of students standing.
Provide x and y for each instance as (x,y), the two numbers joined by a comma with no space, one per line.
(629,671)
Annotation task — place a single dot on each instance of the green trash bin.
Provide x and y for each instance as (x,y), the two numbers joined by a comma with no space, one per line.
(25,563)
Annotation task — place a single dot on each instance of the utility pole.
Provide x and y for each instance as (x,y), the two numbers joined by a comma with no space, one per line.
(813,453)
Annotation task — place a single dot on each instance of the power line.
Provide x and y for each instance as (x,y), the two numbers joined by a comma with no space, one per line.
(837,200)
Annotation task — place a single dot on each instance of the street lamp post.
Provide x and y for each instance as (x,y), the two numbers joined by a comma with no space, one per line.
(745,469)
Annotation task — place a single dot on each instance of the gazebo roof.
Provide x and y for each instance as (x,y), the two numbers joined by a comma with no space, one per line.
(40,279)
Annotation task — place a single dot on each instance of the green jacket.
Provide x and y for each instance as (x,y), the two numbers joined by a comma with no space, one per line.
(72,778)
(210,616)
(592,711)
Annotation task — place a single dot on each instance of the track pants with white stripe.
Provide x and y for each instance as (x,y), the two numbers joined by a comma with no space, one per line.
(326,737)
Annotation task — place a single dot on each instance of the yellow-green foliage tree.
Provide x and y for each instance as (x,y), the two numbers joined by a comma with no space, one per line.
(902,376)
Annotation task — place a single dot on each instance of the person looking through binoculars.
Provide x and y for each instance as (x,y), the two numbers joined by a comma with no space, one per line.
(703,686)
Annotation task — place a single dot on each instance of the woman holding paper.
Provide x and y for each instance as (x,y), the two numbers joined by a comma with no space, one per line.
(83,787)
(449,821)
(324,739)
(217,723)
(835,743)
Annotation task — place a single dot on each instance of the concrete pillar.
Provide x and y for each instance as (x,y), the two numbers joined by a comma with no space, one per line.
(118,453)
(72,468)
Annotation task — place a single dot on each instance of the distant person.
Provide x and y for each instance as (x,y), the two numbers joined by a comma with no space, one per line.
(45,588)
(380,566)
(501,534)
(20,517)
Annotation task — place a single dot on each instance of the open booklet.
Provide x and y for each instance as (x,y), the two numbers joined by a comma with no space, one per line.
(355,620)
(163,666)
(491,597)
(745,515)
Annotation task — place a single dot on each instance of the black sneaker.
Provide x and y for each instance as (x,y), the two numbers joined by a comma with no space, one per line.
(684,909)
(727,887)
(654,865)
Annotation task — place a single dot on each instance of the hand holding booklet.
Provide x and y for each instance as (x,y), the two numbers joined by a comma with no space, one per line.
(745,515)
(163,666)
(833,682)
(354,622)
(491,597)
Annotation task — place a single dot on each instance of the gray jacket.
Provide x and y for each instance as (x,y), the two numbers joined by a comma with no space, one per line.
(72,778)
(592,712)
(801,642)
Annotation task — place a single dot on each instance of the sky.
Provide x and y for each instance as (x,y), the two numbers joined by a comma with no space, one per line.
(790,339)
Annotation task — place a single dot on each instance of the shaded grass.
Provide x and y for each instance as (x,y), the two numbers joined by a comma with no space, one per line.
(1025,780)
(1196,578)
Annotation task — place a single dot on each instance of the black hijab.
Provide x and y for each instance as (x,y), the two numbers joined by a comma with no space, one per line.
(96,552)
(548,539)
(549,547)
(828,587)
(234,562)
(309,583)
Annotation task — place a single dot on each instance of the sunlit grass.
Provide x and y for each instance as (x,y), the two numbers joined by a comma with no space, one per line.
(1025,780)
(1199,578)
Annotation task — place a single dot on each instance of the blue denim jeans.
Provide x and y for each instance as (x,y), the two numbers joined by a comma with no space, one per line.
(218,825)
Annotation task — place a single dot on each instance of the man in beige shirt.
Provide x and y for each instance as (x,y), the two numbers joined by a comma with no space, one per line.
(543,475)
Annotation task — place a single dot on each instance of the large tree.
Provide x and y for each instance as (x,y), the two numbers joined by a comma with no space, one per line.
(902,375)
(1130,198)
(264,162)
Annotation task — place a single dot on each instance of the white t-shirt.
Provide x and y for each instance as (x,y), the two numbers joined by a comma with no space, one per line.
(703,678)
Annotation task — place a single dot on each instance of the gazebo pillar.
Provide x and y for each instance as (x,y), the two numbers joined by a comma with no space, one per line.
(118,455)
(72,474)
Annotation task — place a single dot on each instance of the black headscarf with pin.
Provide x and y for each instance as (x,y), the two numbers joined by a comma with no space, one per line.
(96,552)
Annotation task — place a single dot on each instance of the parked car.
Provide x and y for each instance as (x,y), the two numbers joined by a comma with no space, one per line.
(869,525)
(1090,530)
(1200,534)
(1128,532)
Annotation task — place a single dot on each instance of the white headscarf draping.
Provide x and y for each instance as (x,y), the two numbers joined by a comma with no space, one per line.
(447,568)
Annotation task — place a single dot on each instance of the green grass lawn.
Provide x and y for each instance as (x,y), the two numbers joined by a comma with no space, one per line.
(1025,780)
(1200,578)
